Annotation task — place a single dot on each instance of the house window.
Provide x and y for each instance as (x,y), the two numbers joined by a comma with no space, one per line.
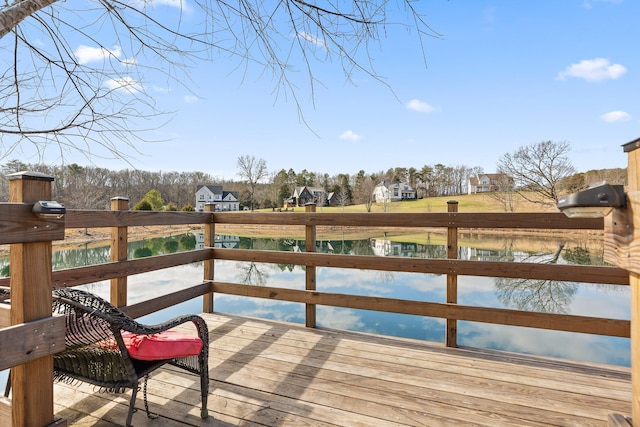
(202,197)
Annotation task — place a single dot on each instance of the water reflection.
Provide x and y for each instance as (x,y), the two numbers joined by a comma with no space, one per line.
(606,301)
(547,296)
(252,273)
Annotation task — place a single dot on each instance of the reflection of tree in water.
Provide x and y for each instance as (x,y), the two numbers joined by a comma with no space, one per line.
(386,276)
(547,296)
(187,241)
(171,246)
(80,256)
(583,256)
(287,267)
(142,252)
(251,273)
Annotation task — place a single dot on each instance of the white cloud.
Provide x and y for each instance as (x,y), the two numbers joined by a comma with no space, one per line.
(178,4)
(616,117)
(161,89)
(315,40)
(175,3)
(419,106)
(190,99)
(593,70)
(350,136)
(125,83)
(85,54)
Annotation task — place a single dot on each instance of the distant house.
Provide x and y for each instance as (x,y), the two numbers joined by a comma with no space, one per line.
(332,199)
(224,200)
(489,182)
(393,191)
(303,195)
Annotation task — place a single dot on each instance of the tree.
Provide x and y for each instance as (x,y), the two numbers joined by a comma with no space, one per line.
(252,170)
(143,205)
(538,169)
(154,199)
(364,190)
(504,193)
(51,93)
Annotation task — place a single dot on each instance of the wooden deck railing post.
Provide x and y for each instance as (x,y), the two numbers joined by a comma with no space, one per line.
(629,258)
(119,252)
(310,270)
(622,243)
(209,242)
(634,282)
(30,282)
(452,278)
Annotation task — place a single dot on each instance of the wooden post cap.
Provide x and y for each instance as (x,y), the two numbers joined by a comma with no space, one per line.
(33,176)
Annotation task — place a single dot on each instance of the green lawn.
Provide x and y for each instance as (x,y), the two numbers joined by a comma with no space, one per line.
(466,203)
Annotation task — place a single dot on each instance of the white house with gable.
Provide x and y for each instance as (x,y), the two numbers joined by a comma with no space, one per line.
(393,191)
(489,182)
(224,200)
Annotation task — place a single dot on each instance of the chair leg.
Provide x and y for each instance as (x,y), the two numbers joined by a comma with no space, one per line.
(132,404)
(7,389)
(204,390)
(203,362)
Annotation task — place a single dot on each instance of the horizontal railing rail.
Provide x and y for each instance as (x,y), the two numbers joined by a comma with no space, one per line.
(517,270)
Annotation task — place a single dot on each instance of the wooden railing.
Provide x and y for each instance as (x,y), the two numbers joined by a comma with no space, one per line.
(16,218)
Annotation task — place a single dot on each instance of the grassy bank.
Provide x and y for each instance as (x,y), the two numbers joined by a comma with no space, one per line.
(466,203)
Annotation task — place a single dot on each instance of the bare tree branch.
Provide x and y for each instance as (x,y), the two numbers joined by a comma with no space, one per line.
(51,95)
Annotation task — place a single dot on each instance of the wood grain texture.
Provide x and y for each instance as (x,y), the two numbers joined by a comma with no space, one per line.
(19,225)
(29,341)
(266,373)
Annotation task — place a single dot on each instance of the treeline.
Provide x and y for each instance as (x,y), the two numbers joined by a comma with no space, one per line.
(90,187)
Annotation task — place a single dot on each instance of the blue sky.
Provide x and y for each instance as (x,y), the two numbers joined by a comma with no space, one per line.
(504,74)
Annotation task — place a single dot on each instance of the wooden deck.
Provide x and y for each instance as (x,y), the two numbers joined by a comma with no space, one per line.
(267,373)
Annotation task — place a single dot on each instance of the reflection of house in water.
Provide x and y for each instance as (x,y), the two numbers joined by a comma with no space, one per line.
(322,246)
(223,241)
(476,254)
(384,247)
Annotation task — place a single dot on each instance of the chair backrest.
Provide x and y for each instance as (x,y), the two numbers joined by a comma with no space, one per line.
(94,349)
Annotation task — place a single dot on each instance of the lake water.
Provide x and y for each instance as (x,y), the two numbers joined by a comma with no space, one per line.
(607,301)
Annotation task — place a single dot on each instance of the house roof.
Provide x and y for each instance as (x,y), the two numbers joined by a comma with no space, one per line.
(312,190)
(232,193)
(215,189)
(389,184)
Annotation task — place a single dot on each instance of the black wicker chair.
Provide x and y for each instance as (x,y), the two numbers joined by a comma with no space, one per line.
(91,322)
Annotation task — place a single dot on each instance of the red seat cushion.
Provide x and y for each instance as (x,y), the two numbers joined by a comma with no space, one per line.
(165,345)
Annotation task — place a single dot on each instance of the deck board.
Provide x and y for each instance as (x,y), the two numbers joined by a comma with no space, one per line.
(266,373)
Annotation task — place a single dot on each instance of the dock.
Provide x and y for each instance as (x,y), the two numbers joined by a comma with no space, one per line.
(269,373)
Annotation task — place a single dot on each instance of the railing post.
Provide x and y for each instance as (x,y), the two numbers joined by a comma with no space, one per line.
(209,242)
(633,169)
(452,278)
(30,282)
(622,249)
(633,202)
(310,270)
(119,252)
